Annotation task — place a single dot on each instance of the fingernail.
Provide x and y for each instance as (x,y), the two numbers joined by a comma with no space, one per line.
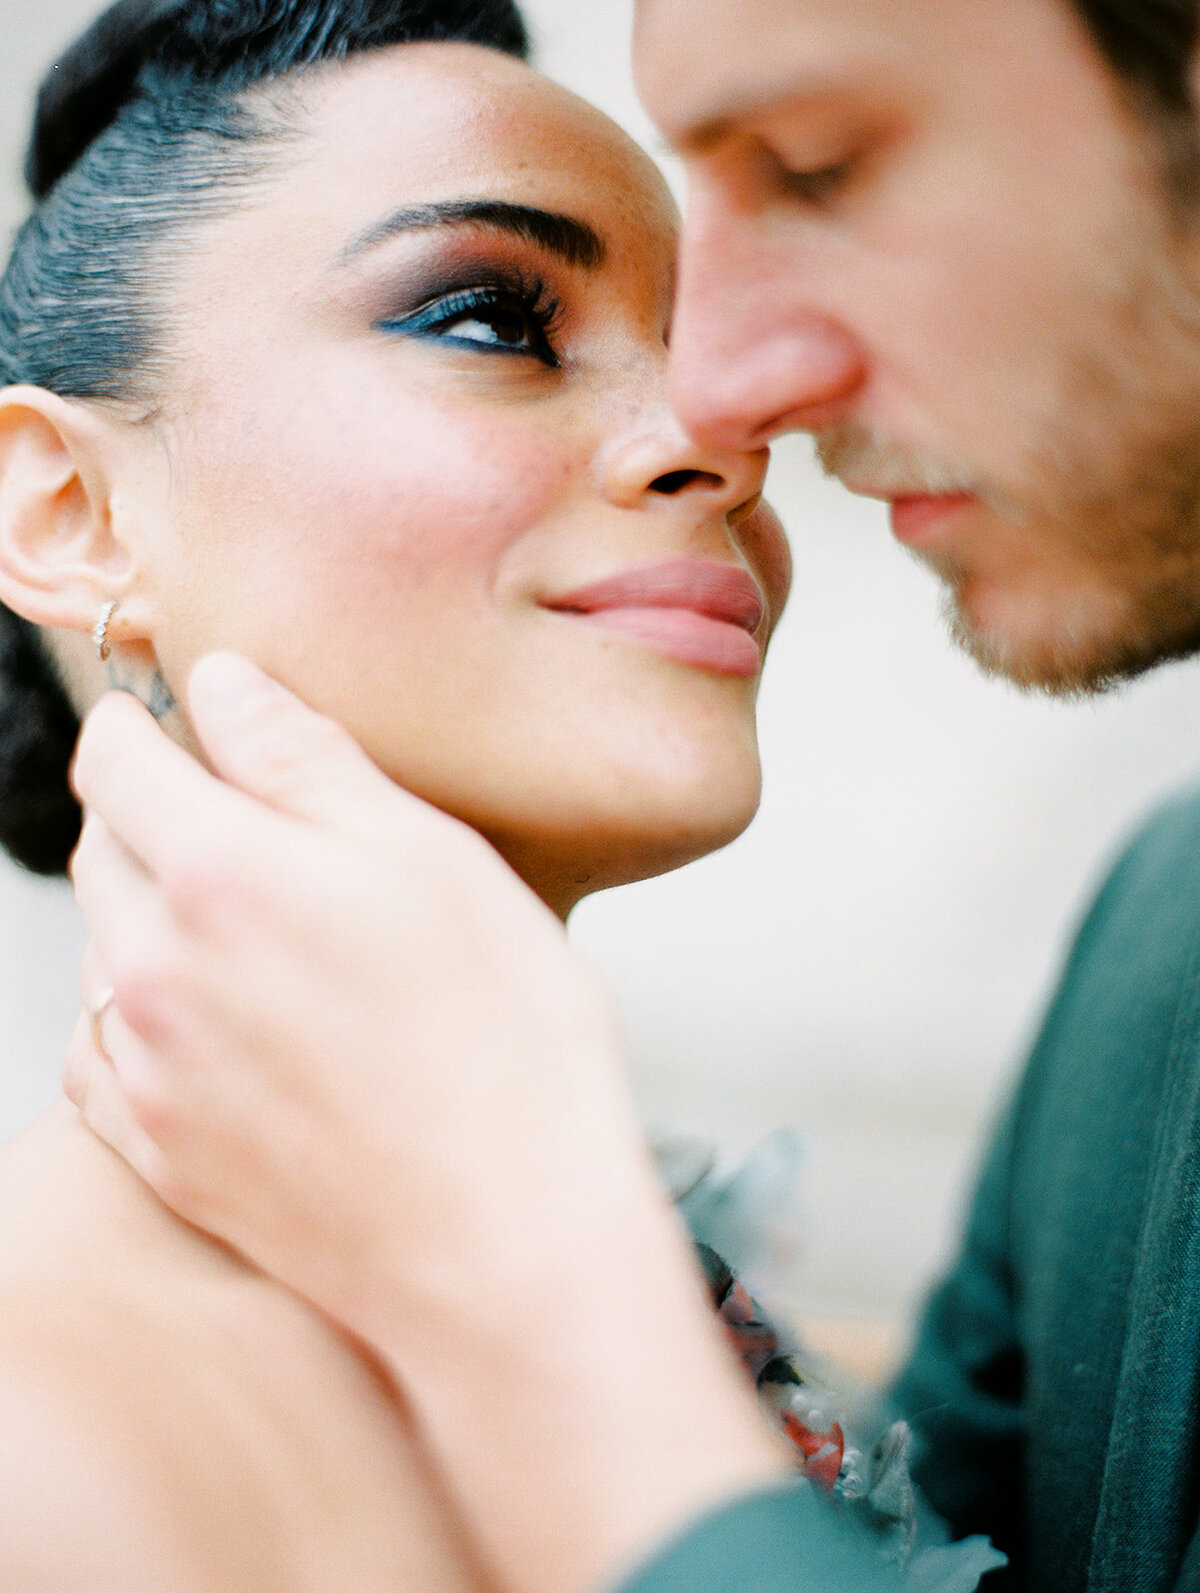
(227,683)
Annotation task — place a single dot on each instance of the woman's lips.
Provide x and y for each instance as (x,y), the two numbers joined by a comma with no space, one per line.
(697,611)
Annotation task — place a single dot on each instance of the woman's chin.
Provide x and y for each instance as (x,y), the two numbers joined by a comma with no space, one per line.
(578,811)
(567,861)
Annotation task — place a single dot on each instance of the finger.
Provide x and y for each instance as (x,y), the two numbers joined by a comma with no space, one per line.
(111,1073)
(121,905)
(94,979)
(138,945)
(149,791)
(264,740)
(93,1085)
(95,993)
(79,1060)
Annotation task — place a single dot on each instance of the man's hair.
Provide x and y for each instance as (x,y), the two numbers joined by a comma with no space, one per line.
(145,127)
(1151,45)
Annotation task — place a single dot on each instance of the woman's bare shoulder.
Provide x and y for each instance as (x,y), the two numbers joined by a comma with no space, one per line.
(215,1429)
(72,1518)
(98,1415)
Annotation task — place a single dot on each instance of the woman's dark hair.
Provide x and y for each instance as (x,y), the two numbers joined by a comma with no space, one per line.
(1151,45)
(142,129)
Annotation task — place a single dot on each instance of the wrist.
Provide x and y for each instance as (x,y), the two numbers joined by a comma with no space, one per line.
(586,1413)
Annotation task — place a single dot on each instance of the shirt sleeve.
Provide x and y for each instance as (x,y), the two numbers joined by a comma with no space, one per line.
(962,1388)
(782,1540)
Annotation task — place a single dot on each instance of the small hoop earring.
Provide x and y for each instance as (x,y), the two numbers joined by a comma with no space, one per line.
(100,630)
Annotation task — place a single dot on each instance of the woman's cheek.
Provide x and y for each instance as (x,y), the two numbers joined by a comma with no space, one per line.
(457,499)
(312,519)
(769,554)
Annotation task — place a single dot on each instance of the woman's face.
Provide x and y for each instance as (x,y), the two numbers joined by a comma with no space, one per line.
(422,469)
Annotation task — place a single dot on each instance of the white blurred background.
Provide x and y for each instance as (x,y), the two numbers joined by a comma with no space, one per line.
(868,962)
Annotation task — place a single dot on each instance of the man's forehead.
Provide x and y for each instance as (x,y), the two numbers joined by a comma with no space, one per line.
(701,64)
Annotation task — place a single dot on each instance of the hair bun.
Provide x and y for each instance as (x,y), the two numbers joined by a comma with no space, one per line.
(85,89)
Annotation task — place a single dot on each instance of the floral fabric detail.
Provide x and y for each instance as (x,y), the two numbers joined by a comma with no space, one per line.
(752,1217)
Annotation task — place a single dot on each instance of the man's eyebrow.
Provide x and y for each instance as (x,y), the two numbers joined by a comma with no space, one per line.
(723,121)
(572,240)
(699,140)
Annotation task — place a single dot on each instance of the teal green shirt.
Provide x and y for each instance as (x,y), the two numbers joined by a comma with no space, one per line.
(1055,1382)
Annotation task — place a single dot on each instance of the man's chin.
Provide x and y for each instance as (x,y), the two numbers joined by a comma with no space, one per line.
(1053,658)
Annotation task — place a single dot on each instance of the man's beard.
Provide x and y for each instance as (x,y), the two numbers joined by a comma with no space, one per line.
(1104,502)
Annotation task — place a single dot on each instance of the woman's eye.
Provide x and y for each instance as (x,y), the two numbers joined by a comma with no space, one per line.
(485,321)
(498,325)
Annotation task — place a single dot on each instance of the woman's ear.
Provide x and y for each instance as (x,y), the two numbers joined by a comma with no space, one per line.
(61,558)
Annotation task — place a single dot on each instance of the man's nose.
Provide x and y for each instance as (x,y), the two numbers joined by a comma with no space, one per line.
(753,355)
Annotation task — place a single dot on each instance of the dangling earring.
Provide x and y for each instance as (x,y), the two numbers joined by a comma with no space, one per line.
(100,630)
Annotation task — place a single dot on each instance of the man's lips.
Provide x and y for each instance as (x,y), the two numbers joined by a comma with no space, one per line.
(916,512)
(698,611)
(917,517)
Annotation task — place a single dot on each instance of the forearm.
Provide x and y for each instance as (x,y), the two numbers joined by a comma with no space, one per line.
(582,1403)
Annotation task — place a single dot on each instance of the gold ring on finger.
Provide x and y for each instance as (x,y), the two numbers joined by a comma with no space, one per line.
(96,1017)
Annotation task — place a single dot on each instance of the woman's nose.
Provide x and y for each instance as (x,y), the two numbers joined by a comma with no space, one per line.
(657,459)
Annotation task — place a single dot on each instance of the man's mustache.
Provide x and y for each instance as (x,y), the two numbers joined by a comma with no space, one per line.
(875,467)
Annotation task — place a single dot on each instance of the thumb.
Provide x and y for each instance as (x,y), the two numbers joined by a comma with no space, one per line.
(262,739)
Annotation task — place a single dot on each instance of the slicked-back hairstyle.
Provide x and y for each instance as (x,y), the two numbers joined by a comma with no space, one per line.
(1151,45)
(145,127)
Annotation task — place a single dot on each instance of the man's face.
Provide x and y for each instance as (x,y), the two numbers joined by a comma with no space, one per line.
(936,236)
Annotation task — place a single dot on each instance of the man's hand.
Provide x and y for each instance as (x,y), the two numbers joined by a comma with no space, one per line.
(297,947)
(349,1042)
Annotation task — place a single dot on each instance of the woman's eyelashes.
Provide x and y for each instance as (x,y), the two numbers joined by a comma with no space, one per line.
(487,318)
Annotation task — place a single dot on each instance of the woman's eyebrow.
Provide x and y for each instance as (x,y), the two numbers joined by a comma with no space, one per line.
(572,240)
